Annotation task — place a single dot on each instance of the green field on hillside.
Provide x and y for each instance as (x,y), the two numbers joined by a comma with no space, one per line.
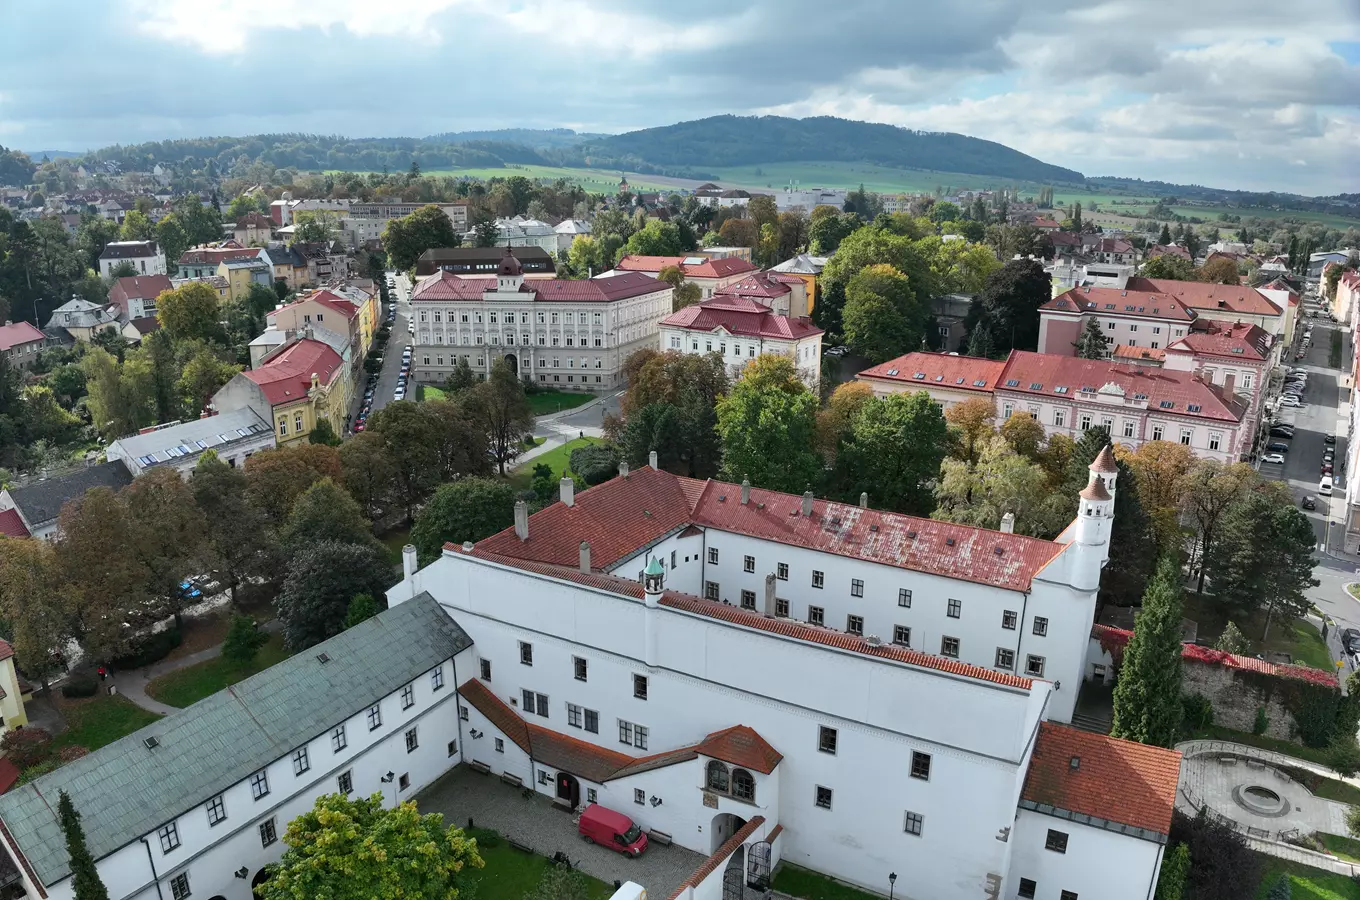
(597,181)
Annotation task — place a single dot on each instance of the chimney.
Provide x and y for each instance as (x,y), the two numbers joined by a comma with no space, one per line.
(623,469)
(567,489)
(863,499)
(585,557)
(522,520)
(1008,523)
(1229,382)
(745,491)
(807,503)
(408,561)
(651,459)
(769,594)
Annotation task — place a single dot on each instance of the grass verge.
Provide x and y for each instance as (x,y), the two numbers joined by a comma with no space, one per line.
(809,885)
(1334,352)
(1338,845)
(189,685)
(509,874)
(1288,748)
(1306,882)
(558,459)
(1322,786)
(1300,639)
(544,402)
(99,720)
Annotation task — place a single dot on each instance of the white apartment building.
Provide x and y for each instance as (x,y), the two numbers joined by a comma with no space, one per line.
(715,660)
(196,804)
(366,221)
(739,330)
(145,257)
(565,334)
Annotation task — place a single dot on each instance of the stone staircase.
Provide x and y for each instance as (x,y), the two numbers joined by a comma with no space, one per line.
(1092,720)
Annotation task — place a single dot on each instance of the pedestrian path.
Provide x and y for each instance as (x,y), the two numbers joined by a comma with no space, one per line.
(131,683)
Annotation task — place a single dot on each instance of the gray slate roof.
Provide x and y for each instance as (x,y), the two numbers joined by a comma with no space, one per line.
(125,790)
(41,501)
(214,431)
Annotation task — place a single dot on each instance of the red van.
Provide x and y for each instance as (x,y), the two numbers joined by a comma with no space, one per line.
(612,829)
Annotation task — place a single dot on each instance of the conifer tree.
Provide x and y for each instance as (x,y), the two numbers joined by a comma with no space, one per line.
(1147,698)
(84,875)
(1092,343)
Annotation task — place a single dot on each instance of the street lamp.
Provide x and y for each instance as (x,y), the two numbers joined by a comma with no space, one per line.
(892,883)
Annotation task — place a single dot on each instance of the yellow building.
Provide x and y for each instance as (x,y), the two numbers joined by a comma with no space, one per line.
(241,273)
(295,387)
(12,695)
(807,268)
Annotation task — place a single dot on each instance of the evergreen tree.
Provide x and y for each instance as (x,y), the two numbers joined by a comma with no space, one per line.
(1132,558)
(1174,872)
(1092,343)
(84,875)
(1147,697)
(1281,890)
(243,641)
(1232,640)
(1165,237)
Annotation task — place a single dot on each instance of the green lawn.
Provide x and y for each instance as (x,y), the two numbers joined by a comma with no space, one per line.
(186,686)
(430,392)
(1306,883)
(556,459)
(99,720)
(809,885)
(597,181)
(1345,847)
(1300,639)
(1288,748)
(545,402)
(1322,786)
(509,874)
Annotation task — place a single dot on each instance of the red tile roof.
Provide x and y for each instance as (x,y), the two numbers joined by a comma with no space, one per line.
(742,318)
(138,287)
(287,377)
(1168,250)
(1123,351)
(254,220)
(1109,301)
(766,285)
(6,650)
(926,370)
(1113,245)
(213,255)
(1119,781)
(1201,296)
(623,515)
(444,285)
(330,301)
(707,268)
(1166,392)
(17,333)
(11,524)
(600,764)
(1231,340)
(9,774)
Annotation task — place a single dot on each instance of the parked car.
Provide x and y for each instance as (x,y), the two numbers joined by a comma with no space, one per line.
(1276,458)
(1278,446)
(1350,639)
(1308,503)
(1289,401)
(1329,439)
(611,829)
(1326,468)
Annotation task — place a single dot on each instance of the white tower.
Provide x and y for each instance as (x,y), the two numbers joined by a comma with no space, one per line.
(653,585)
(510,273)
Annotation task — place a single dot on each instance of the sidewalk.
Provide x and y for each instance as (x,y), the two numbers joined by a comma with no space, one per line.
(132,683)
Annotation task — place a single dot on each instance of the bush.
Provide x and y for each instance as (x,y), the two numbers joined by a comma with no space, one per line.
(243,641)
(1281,890)
(1343,755)
(150,648)
(595,464)
(1261,723)
(42,768)
(27,746)
(528,439)
(79,686)
(72,753)
(1197,711)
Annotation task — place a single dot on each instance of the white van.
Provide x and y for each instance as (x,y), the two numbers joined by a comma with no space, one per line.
(1325,486)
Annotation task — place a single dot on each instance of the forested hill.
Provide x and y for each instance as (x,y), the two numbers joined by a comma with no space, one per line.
(722,141)
(537,138)
(311,152)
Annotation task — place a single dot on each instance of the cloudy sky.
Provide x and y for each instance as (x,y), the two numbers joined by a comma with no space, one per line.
(1256,94)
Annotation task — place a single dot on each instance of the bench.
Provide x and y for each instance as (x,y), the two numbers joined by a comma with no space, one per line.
(1255,764)
(476,766)
(659,837)
(1227,760)
(512,780)
(521,847)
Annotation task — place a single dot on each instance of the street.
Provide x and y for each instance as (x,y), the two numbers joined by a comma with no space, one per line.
(401,338)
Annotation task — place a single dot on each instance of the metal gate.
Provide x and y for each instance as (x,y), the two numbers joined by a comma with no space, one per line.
(732,884)
(758,866)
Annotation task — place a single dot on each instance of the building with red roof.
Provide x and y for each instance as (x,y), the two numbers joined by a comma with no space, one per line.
(567,334)
(725,664)
(21,342)
(711,275)
(739,330)
(950,378)
(302,383)
(135,296)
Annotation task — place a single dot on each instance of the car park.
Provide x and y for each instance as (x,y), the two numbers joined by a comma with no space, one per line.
(1276,458)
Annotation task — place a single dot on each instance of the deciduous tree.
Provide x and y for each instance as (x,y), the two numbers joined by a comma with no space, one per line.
(359,849)
(321,580)
(33,602)
(1147,697)
(106,590)
(367,471)
(191,311)
(239,537)
(427,228)
(465,510)
(893,453)
(668,377)
(766,424)
(1000,481)
(166,533)
(276,478)
(502,412)
(1208,490)
(972,424)
(1170,267)
(833,422)
(1219,271)
(325,512)
(409,442)
(1005,315)
(883,316)
(1025,435)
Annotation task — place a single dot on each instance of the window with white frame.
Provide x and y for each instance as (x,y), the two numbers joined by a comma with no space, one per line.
(301,762)
(259,784)
(1157,432)
(854,624)
(408,696)
(1215,440)
(712,556)
(179,887)
(818,579)
(217,810)
(1128,428)
(412,739)
(374,717)
(1186,435)
(781,571)
(338,739)
(748,564)
(816,615)
(781,608)
(1005,659)
(949,646)
(1060,418)
(710,590)
(748,599)
(269,833)
(169,836)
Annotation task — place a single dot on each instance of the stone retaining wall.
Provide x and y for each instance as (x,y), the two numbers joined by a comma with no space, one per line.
(1235,700)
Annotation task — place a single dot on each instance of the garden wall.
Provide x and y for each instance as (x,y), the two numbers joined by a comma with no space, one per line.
(1235,700)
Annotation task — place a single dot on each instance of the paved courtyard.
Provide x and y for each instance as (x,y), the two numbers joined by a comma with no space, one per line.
(1258,796)
(464,794)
